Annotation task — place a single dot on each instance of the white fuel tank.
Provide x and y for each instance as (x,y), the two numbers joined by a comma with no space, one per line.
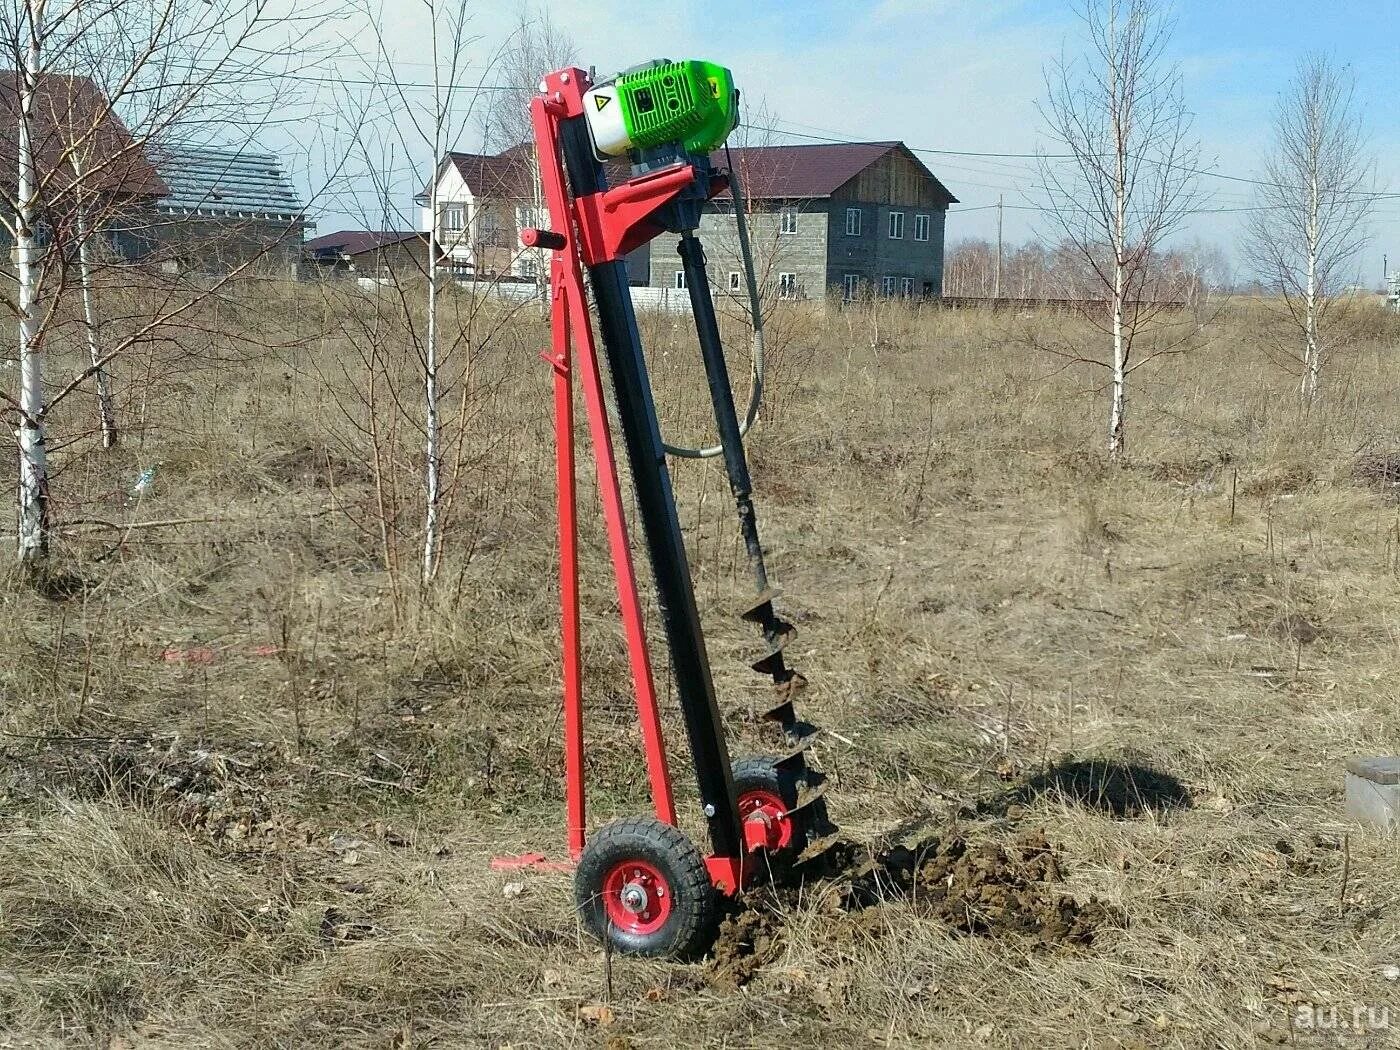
(603,112)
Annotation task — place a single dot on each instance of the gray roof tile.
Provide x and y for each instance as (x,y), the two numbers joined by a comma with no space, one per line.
(226,182)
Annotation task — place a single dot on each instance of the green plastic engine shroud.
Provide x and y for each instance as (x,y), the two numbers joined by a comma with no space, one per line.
(692,103)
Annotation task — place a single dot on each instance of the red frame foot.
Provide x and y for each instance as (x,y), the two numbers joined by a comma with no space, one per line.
(538,861)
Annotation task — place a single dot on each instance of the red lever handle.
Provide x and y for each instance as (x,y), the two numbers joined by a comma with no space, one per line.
(533,238)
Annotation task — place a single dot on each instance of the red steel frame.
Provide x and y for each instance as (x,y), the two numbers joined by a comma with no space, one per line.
(592,229)
(572,330)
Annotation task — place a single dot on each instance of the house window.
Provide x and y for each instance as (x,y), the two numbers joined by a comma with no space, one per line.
(787,286)
(528,266)
(526,218)
(734,278)
(896,225)
(454,218)
(789,220)
(907,287)
(852,286)
(680,279)
(853,222)
(888,284)
(920,227)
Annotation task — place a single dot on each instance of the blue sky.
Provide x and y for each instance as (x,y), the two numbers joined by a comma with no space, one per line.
(966,74)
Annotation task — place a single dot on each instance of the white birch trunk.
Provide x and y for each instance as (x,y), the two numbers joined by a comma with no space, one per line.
(33,544)
(1118,409)
(1312,367)
(537,217)
(431,478)
(105,413)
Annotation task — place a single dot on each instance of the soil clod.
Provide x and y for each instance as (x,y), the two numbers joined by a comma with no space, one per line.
(981,889)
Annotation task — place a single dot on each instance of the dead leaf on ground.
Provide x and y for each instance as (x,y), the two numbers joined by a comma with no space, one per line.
(599,1014)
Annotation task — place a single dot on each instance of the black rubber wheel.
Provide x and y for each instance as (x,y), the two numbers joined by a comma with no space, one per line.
(643,885)
(760,776)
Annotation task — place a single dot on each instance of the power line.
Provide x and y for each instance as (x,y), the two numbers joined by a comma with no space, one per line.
(831,137)
(1374,195)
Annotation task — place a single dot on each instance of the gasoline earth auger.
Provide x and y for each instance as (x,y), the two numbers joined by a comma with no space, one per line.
(640,883)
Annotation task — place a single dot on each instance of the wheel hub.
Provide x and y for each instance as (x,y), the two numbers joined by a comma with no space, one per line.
(767,822)
(636,897)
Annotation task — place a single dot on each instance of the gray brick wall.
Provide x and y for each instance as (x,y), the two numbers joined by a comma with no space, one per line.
(802,252)
(874,255)
(818,253)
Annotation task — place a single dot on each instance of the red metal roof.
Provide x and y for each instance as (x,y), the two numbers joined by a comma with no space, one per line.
(767,172)
(354,242)
(72,118)
(809,171)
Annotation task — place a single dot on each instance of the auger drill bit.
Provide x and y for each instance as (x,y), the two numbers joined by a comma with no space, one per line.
(777,633)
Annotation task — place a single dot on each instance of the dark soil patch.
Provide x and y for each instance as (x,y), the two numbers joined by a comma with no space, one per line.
(976,889)
(1295,627)
(1190,471)
(1280,481)
(316,465)
(985,889)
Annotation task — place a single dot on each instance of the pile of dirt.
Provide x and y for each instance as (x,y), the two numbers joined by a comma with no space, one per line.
(978,889)
(985,889)
(749,939)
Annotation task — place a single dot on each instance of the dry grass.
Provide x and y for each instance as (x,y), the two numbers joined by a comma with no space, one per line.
(290,849)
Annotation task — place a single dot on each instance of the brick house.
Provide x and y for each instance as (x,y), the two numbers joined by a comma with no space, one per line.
(227,210)
(83,152)
(369,254)
(483,201)
(847,219)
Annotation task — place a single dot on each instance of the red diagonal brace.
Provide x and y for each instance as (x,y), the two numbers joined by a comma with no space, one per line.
(618,220)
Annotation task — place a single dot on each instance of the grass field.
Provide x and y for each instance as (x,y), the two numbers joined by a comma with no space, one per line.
(253,775)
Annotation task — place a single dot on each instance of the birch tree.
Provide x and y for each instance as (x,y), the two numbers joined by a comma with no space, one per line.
(31,26)
(435,120)
(1311,206)
(1126,180)
(163,65)
(102,382)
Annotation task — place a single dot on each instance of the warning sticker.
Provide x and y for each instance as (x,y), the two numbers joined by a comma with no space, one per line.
(601,100)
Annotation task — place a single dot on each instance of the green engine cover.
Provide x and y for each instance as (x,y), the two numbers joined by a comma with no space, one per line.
(691,103)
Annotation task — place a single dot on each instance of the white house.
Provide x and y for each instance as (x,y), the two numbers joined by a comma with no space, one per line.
(483,202)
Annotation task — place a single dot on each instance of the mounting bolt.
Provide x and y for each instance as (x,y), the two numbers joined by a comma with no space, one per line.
(709,809)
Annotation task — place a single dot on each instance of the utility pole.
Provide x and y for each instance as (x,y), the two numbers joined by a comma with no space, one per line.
(996,288)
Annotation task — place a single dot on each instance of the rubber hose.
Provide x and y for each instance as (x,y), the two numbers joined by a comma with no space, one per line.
(741,223)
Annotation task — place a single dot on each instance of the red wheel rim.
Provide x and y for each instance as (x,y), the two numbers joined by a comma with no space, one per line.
(768,808)
(636,897)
